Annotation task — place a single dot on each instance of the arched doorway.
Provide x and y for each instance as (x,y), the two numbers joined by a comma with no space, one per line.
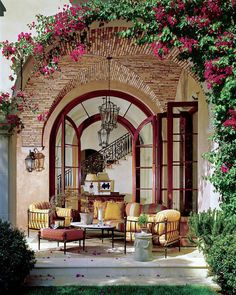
(68,129)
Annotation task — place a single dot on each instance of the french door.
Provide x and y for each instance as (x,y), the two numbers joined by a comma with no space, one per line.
(65,157)
(145,161)
(165,158)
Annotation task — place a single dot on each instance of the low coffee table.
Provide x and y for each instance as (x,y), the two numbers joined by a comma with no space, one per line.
(93,227)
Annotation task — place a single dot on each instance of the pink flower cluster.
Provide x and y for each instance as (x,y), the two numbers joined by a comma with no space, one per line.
(8,49)
(38,48)
(77,53)
(42,117)
(66,22)
(231,122)
(25,36)
(215,74)
(5,96)
(188,44)
(224,168)
(225,41)
(64,25)
(160,49)
(47,70)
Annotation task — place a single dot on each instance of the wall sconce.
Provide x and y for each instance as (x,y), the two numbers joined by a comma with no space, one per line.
(34,161)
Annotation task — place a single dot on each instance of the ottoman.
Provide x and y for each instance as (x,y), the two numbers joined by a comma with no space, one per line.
(61,235)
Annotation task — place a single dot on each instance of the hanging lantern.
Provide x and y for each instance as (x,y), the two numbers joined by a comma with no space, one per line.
(103,137)
(30,161)
(109,114)
(39,160)
(34,161)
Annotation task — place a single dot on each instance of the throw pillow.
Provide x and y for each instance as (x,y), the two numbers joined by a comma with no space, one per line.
(114,211)
(132,209)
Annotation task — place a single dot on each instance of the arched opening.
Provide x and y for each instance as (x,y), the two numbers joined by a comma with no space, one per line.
(75,130)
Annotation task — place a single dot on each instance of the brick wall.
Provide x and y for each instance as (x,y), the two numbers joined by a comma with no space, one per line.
(131,64)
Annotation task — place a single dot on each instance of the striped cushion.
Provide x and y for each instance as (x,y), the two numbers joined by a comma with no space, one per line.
(39,205)
(132,209)
(159,229)
(39,219)
(66,213)
(152,208)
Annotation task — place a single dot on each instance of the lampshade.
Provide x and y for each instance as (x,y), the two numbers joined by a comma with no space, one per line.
(91,177)
(103,176)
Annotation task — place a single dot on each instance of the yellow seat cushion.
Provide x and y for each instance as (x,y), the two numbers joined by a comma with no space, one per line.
(114,211)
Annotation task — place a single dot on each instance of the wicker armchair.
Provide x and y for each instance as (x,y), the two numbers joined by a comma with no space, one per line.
(39,215)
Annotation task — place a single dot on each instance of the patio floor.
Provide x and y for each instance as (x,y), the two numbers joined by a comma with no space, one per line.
(99,264)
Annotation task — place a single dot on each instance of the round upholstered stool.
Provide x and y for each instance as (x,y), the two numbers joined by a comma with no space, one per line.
(61,235)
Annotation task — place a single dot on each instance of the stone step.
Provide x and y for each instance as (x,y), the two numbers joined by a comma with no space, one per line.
(100,271)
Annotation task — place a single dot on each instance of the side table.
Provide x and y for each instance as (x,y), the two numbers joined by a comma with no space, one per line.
(143,247)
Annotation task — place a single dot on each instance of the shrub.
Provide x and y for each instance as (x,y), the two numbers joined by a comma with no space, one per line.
(221,259)
(215,233)
(208,226)
(16,259)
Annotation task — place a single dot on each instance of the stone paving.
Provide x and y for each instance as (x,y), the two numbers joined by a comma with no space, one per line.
(99,264)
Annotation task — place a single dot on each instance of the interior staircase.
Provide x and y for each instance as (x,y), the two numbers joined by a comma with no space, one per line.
(101,159)
(107,156)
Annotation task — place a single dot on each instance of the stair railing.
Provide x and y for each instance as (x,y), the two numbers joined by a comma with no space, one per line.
(115,151)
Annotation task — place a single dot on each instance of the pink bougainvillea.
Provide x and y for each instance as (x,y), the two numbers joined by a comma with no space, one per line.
(77,53)
(188,44)
(8,49)
(231,122)
(160,49)
(224,169)
(42,117)
(25,36)
(215,74)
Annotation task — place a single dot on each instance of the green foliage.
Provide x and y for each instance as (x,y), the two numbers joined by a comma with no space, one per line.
(208,226)
(16,259)
(142,220)
(121,290)
(221,259)
(215,232)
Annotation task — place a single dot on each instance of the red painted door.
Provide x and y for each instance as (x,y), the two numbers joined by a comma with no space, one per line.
(145,161)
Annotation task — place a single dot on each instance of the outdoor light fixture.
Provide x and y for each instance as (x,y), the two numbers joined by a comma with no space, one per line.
(34,161)
(109,113)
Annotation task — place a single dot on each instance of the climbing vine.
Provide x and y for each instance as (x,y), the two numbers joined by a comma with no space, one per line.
(203,32)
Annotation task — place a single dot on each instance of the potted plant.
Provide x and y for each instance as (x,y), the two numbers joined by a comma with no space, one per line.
(142,222)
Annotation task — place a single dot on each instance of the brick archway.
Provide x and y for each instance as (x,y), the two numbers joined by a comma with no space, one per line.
(132,65)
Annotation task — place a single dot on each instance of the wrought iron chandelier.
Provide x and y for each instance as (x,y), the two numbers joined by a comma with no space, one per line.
(109,113)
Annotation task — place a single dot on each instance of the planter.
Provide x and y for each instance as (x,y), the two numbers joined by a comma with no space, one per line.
(86,218)
(143,247)
(144,230)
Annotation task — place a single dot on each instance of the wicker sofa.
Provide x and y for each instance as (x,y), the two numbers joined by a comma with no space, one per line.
(39,215)
(163,223)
